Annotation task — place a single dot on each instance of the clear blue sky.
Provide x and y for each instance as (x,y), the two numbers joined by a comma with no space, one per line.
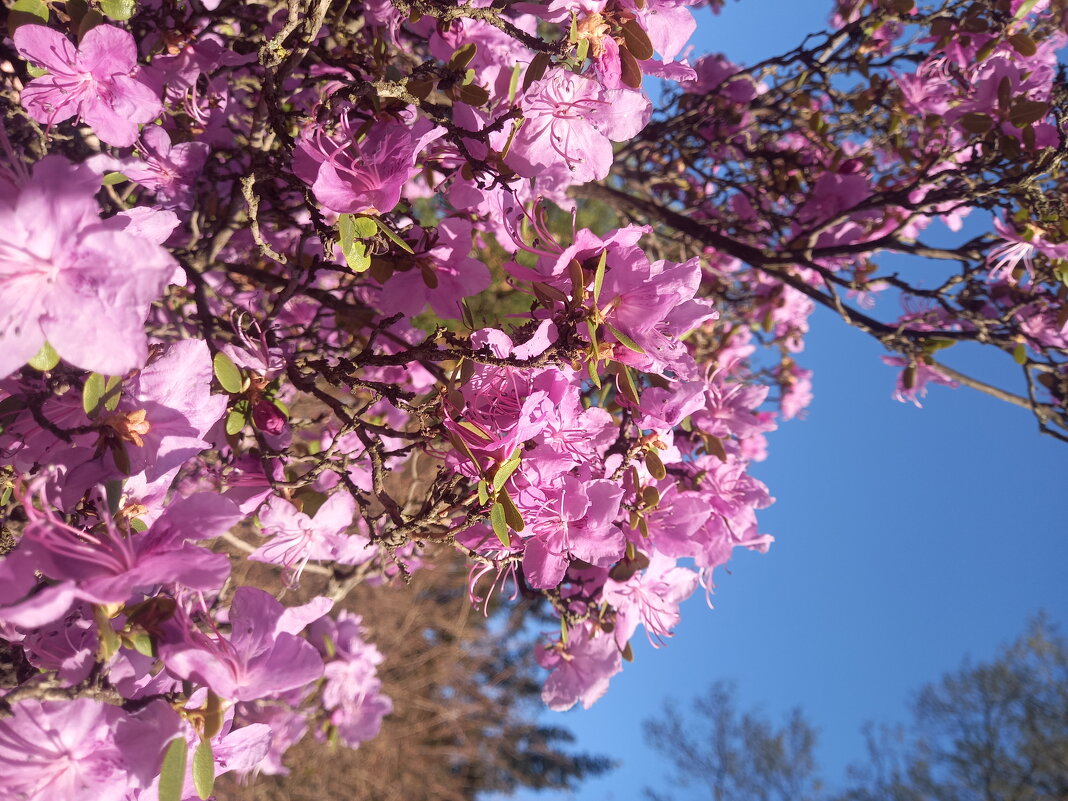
(906,538)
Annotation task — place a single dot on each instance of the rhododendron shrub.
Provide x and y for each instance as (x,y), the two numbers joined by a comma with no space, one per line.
(334,288)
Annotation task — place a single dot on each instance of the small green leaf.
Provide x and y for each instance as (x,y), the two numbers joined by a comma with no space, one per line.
(1024,9)
(46,358)
(462,56)
(598,275)
(626,386)
(591,371)
(113,393)
(113,178)
(1025,112)
(513,84)
(500,524)
(228,373)
(214,713)
(236,421)
(624,340)
(364,227)
(536,69)
(393,237)
(204,769)
(118,9)
(654,465)
(93,394)
(1019,354)
(630,72)
(637,40)
(28,12)
(511,513)
(483,492)
(113,492)
(1023,44)
(142,643)
(505,471)
(172,772)
(477,430)
(582,50)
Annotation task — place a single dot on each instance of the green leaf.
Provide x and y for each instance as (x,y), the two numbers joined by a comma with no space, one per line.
(113,393)
(598,275)
(591,371)
(393,237)
(118,9)
(624,340)
(462,56)
(536,69)
(142,643)
(172,773)
(582,51)
(1019,354)
(228,373)
(626,386)
(654,465)
(236,421)
(1025,112)
(499,522)
(483,492)
(214,712)
(364,227)
(29,8)
(511,513)
(637,40)
(1023,44)
(113,491)
(204,769)
(1024,9)
(351,230)
(93,394)
(513,84)
(46,358)
(113,178)
(630,72)
(505,471)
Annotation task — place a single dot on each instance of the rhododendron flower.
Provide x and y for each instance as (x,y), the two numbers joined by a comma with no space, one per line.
(296,538)
(108,565)
(95,82)
(262,655)
(575,521)
(81,749)
(581,670)
(570,118)
(650,597)
(361,176)
(68,277)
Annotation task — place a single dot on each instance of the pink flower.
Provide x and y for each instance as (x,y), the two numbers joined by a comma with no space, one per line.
(363,176)
(581,670)
(70,278)
(81,749)
(94,82)
(571,119)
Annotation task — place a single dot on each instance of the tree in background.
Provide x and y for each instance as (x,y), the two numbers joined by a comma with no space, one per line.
(996,731)
(464,704)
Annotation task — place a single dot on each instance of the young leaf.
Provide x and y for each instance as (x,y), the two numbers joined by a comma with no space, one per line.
(483,492)
(204,769)
(172,773)
(511,513)
(624,340)
(654,465)
(45,360)
(93,394)
(637,40)
(505,471)
(228,373)
(118,9)
(236,421)
(499,522)
(598,276)
(364,227)
(393,237)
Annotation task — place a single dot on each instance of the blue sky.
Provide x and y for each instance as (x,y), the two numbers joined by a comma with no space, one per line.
(906,538)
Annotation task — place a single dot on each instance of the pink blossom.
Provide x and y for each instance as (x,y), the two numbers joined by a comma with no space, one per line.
(569,118)
(95,82)
(68,277)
